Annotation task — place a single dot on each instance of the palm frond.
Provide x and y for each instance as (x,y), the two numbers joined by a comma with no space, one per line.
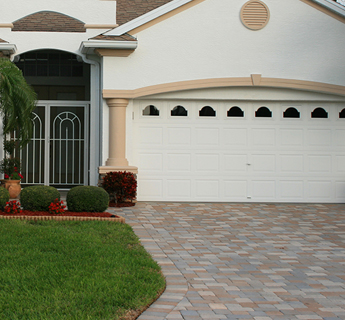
(17,101)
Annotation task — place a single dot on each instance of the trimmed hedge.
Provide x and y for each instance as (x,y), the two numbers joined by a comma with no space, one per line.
(4,197)
(38,198)
(87,199)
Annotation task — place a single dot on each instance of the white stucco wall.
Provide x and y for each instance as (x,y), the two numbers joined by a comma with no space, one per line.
(209,41)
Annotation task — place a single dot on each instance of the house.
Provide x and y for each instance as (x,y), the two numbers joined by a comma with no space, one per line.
(205,100)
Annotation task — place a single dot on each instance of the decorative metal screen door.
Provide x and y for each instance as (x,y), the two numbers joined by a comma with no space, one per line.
(58,152)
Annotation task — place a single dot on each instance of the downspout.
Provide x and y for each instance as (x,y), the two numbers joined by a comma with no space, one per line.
(95,91)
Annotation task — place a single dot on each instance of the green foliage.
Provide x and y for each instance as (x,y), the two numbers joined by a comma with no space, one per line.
(68,270)
(4,197)
(17,101)
(121,185)
(38,198)
(87,199)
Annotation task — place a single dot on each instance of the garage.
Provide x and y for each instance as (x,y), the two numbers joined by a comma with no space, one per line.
(239,151)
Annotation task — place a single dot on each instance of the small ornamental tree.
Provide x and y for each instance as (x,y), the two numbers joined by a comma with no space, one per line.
(121,186)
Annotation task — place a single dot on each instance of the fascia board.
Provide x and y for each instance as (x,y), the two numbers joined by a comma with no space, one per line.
(332,5)
(147,17)
(8,48)
(88,47)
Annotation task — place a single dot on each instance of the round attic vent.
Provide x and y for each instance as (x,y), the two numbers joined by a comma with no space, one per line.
(255,15)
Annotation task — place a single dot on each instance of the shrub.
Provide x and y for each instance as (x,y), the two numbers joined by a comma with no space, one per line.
(4,197)
(121,185)
(38,198)
(88,199)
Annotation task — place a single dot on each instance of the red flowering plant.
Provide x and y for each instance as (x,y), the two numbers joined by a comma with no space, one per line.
(57,207)
(12,207)
(9,165)
(121,186)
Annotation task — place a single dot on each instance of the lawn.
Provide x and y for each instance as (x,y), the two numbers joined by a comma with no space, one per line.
(74,270)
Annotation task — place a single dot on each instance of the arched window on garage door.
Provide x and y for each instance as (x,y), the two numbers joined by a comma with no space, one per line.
(179,111)
(207,111)
(150,110)
(235,112)
(263,112)
(291,113)
(342,114)
(319,113)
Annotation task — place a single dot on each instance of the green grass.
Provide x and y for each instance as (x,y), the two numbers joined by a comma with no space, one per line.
(73,270)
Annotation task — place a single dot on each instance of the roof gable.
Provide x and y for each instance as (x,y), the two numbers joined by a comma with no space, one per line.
(48,21)
(127,10)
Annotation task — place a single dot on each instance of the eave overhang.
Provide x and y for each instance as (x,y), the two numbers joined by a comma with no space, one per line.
(7,48)
(89,46)
(332,6)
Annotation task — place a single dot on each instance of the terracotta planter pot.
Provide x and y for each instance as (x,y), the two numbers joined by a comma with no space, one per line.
(13,187)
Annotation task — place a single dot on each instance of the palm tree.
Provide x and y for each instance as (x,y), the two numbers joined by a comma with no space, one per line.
(17,101)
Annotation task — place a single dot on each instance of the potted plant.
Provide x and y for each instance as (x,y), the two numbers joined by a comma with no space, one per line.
(10,167)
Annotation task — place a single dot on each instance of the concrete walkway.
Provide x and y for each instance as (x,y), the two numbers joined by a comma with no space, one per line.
(245,261)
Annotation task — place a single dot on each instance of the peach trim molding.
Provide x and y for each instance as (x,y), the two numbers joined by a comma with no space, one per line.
(165,16)
(254,80)
(324,10)
(113,52)
(6,25)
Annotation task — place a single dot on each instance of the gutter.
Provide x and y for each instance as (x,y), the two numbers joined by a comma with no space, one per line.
(332,6)
(88,47)
(7,48)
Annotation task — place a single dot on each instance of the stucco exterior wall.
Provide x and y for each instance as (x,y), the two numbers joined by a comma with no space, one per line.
(210,41)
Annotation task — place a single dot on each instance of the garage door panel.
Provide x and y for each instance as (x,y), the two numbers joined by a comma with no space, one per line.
(207,189)
(179,162)
(150,189)
(320,190)
(263,189)
(151,162)
(207,163)
(340,190)
(292,190)
(179,189)
(207,137)
(235,190)
(340,137)
(340,163)
(263,137)
(235,137)
(151,136)
(319,137)
(292,163)
(179,136)
(263,163)
(222,159)
(320,163)
(235,163)
(292,137)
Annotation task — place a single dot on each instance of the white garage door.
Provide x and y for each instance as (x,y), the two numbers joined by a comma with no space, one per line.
(275,152)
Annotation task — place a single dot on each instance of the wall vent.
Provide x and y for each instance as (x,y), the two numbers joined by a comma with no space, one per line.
(255,15)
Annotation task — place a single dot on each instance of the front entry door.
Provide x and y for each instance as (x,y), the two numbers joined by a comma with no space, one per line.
(58,152)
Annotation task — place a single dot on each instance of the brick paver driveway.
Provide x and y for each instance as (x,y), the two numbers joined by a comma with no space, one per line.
(245,261)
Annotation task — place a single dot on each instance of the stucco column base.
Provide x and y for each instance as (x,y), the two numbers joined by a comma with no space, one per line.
(105,169)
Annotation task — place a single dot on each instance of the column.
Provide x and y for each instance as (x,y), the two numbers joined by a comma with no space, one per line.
(117,137)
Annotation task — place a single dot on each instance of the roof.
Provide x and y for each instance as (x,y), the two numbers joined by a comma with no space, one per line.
(128,10)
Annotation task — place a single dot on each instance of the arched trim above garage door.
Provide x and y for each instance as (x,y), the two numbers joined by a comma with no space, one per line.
(255,80)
